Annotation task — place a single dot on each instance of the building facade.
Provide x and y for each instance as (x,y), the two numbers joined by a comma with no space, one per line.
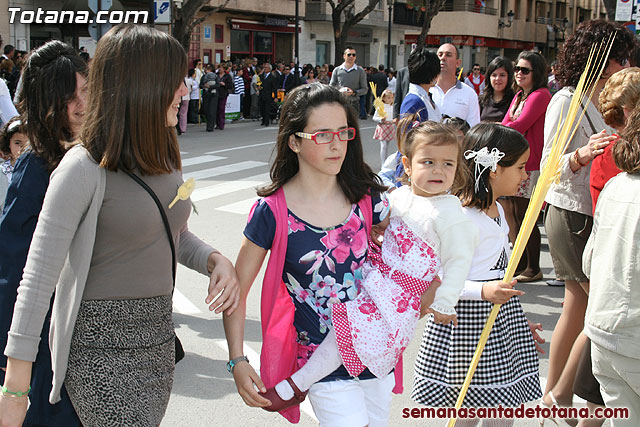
(482,29)
(485,29)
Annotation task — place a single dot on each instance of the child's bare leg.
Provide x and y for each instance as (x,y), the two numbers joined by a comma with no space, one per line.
(383,151)
(322,362)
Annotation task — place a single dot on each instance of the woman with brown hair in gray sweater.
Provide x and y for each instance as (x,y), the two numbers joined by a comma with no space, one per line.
(102,244)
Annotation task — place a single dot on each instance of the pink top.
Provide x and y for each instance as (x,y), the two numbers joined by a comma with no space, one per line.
(530,123)
(278,358)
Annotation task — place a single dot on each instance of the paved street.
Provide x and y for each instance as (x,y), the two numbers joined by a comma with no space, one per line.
(227,166)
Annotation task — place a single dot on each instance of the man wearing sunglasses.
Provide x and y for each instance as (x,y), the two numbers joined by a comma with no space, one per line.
(475,80)
(350,78)
(453,97)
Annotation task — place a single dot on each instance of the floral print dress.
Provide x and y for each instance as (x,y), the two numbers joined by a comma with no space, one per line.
(323,266)
(375,328)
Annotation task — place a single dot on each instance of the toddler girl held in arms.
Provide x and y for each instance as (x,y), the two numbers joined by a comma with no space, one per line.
(425,231)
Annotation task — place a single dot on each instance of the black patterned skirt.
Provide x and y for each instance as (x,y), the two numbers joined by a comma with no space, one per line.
(121,361)
(507,373)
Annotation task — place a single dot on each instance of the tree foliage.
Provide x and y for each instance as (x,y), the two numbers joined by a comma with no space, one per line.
(344,17)
(431,9)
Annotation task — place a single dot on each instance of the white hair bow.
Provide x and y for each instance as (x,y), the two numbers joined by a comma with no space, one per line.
(484,160)
(13,125)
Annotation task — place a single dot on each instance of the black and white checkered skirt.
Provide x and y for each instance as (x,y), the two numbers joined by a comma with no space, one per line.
(507,373)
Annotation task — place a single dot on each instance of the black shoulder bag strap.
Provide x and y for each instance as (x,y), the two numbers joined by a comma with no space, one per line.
(586,113)
(167,227)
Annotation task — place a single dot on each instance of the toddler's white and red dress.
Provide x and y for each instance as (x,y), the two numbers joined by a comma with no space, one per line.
(373,330)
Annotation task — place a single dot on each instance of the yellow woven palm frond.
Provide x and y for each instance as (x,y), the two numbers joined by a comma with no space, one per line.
(377,101)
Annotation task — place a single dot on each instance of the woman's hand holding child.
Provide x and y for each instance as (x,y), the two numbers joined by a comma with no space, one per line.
(224,288)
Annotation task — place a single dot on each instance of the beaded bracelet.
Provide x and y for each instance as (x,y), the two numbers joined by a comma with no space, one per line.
(575,157)
(7,393)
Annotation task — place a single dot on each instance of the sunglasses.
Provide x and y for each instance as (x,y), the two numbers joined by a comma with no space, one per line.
(326,137)
(523,70)
(351,54)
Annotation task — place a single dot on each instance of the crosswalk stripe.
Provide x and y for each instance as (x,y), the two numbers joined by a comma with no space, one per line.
(242,207)
(229,187)
(241,147)
(221,170)
(254,359)
(199,160)
(182,304)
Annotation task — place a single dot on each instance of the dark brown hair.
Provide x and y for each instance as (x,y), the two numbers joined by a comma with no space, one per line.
(538,74)
(572,60)
(127,104)
(49,84)
(491,135)
(496,63)
(626,151)
(9,129)
(355,177)
(431,133)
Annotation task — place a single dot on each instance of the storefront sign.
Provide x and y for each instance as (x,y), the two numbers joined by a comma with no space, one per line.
(364,35)
(276,22)
(433,40)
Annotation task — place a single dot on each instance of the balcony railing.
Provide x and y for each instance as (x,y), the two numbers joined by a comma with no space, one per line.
(468,6)
(549,21)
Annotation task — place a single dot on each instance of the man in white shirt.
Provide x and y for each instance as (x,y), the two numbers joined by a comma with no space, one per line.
(454,98)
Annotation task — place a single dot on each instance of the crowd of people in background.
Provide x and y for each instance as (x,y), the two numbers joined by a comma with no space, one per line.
(88,142)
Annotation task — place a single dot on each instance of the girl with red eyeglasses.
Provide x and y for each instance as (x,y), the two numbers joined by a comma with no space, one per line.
(315,217)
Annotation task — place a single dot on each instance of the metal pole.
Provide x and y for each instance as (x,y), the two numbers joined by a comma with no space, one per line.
(296,38)
(389,36)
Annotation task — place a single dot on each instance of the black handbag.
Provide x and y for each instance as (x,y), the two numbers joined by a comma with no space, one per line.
(167,227)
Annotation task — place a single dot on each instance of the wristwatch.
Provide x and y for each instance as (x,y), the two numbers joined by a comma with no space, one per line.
(233,362)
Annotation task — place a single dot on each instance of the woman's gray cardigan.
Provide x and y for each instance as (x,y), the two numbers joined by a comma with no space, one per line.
(60,256)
